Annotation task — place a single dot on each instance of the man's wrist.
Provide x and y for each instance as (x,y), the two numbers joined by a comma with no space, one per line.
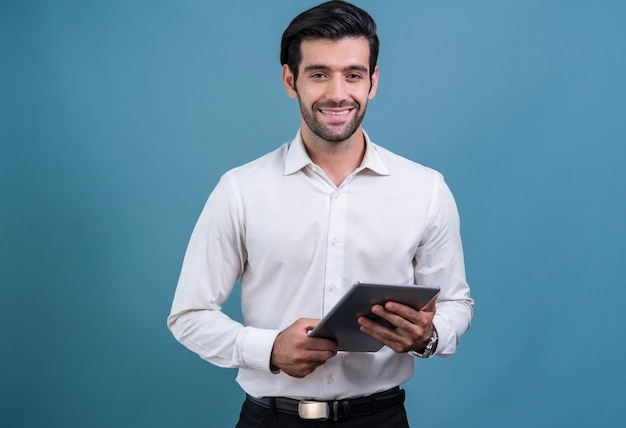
(430,348)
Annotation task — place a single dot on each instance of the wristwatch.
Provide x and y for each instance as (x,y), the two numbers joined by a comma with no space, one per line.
(430,349)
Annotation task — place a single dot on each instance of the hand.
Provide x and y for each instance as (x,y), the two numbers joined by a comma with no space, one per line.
(297,354)
(413,328)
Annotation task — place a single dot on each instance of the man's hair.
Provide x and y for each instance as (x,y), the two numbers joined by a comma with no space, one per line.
(332,20)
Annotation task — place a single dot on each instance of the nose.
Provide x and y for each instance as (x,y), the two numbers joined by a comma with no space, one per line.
(337,89)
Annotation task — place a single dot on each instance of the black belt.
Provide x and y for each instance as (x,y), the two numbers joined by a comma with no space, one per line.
(335,410)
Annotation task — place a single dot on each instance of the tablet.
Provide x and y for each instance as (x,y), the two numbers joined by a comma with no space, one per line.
(341,325)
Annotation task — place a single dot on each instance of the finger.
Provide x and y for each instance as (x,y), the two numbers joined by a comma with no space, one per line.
(396,313)
(375,328)
(318,344)
(369,324)
(307,324)
(387,336)
(431,306)
(409,325)
(413,315)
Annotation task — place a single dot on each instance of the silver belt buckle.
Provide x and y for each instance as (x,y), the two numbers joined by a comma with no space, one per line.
(313,409)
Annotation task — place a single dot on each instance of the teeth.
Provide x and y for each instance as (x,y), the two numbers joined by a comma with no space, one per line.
(335,113)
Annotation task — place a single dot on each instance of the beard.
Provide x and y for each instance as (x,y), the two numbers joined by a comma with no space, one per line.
(334,133)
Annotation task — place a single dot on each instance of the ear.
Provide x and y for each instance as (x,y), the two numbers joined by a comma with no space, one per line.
(290,82)
(374,86)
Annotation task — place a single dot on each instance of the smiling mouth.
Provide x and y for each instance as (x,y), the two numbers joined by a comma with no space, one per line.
(335,112)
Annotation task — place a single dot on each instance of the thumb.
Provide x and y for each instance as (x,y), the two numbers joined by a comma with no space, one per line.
(430,306)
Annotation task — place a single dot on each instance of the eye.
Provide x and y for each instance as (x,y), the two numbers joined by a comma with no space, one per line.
(318,76)
(354,76)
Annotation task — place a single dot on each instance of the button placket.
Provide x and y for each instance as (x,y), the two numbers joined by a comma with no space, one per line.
(335,253)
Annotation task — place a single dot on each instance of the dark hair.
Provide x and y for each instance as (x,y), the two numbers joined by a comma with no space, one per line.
(332,20)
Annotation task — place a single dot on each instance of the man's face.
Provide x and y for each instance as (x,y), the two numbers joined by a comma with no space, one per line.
(333,86)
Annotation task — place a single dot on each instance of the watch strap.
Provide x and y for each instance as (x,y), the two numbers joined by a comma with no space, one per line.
(430,348)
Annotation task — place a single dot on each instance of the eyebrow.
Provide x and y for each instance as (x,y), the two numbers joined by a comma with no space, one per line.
(313,67)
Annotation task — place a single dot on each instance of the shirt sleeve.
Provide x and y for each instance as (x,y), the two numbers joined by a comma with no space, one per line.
(439,262)
(213,262)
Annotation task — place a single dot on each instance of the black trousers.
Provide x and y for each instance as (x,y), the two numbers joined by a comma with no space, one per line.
(255,416)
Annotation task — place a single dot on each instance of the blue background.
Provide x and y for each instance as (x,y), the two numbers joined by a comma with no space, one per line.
(118,117)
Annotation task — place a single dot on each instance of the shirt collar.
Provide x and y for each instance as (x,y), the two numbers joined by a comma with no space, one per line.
(297,157)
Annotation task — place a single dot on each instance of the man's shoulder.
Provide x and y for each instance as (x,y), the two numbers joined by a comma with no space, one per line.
(270,163)
(401,165)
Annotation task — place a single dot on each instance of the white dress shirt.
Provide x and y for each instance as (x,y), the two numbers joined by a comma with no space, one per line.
(297,242)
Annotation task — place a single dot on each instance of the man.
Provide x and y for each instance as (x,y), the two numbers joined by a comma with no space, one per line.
(300,225)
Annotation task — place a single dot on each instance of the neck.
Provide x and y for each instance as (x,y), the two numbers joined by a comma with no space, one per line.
(337,159)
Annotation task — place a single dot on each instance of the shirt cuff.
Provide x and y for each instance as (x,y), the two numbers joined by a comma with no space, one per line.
(446,345)
(257,348)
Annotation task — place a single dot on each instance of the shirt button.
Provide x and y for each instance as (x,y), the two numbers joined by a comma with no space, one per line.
(331,379)
(334,242)
(332,287)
